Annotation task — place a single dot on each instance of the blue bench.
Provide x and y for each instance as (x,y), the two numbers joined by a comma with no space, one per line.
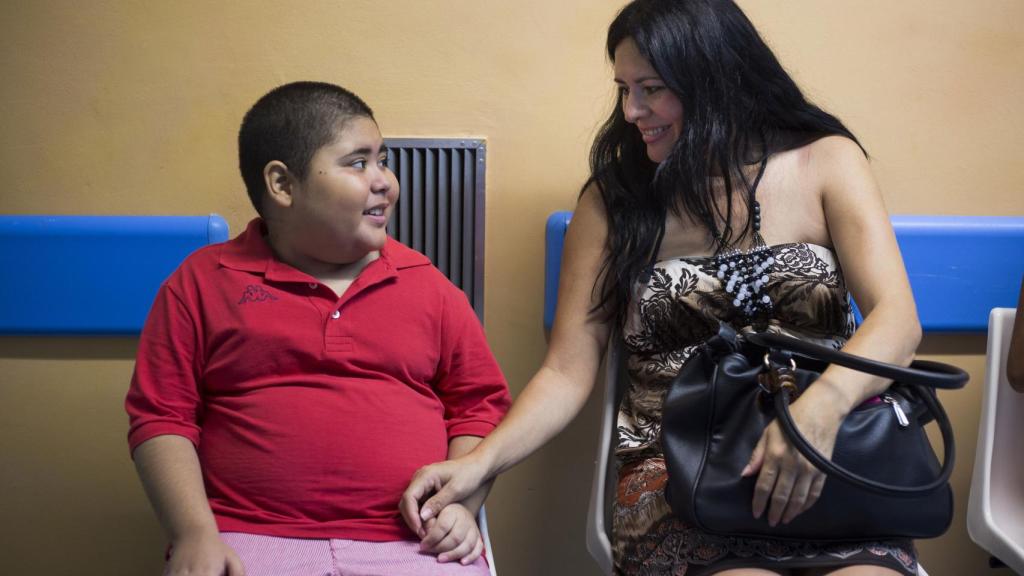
(79,275)
(960,267)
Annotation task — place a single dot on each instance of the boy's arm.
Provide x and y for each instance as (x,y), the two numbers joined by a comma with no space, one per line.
(475,395)
(454,535)
(460,446)
(169,469)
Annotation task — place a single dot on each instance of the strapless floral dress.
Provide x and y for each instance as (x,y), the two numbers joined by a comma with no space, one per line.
(673,310)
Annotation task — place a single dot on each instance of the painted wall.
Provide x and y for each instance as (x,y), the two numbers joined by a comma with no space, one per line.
(132,108)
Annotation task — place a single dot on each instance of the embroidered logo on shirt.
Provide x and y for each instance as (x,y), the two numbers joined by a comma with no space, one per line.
(256,293)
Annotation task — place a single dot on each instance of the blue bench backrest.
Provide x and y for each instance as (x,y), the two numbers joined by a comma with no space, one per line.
(960,267)
(91,274)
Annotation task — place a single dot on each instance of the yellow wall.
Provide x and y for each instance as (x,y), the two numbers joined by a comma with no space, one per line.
(132,107)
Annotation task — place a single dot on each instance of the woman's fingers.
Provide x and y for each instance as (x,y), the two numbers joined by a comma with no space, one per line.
(786,480)
(425,481)
(763,487)
(436,503)
(780,496)
(756,459)
(788,484)
(815,492)
(798,498)
(450,481)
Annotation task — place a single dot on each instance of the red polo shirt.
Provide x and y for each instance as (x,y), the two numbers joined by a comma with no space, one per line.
(309,411)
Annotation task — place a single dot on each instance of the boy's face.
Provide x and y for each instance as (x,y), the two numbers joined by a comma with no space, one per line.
(339,213)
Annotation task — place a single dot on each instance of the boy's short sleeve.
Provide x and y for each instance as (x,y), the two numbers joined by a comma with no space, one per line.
(470,383)
(164,394)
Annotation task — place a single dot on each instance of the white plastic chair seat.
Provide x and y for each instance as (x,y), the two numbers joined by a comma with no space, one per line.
(995,511)
(598,543)
(481,523)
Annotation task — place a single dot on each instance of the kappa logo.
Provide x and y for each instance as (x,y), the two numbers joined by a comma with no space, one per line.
(256,293)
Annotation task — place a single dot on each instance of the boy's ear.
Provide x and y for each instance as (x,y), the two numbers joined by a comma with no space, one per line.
(280,183)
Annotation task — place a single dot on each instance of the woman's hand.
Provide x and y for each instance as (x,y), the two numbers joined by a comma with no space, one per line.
(786,480)
(449,481)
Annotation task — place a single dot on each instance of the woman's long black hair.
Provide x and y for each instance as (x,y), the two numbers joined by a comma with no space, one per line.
(739,105)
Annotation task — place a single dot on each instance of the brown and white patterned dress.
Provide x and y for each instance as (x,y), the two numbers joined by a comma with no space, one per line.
(670,314)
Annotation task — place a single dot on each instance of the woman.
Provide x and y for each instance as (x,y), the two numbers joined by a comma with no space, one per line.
(712,150)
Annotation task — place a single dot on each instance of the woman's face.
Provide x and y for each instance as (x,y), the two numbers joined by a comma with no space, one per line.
(647,102)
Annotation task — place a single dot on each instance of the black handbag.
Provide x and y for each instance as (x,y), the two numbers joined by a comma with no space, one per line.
(884,480)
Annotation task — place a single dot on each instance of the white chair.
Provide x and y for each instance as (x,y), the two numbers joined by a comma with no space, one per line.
(481,522)
(995,511)
(598,532)
(603,487)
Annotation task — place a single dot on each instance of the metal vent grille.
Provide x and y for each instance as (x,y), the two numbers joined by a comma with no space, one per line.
(440,210)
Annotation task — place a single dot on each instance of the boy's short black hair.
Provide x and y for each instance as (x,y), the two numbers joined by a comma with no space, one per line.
(289,124)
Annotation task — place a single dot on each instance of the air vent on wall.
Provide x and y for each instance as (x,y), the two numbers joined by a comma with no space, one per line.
(440,210)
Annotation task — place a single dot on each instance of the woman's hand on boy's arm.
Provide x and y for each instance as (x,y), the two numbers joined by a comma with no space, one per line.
(453,533)
(444,482)
(453,536)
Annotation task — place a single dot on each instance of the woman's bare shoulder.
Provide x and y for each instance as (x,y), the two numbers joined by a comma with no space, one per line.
(833,154)
(590,210)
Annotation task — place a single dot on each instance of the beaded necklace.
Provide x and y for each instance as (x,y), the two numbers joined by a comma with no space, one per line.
(745,272)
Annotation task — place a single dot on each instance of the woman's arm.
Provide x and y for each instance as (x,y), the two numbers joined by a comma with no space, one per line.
(873,267)
(862,235)
(554,395)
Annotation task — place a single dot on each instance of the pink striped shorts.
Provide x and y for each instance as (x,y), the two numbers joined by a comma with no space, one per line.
(274,556)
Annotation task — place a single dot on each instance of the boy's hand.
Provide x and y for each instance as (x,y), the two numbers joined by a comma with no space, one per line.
(203,555)
(453,535)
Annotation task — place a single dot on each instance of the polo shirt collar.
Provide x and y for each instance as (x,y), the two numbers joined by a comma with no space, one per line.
(249,252)
(400,256)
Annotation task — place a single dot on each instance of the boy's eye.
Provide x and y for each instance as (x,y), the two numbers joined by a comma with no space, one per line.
(382,161)
(358,164)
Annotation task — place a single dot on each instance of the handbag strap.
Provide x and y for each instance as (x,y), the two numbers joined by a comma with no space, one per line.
(921,377)
(921,372)
(831,468)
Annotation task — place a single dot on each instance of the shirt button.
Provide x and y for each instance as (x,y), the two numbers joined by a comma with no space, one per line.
(313,285)
(335,315)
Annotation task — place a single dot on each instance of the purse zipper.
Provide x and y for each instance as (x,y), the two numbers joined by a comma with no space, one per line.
(901,416)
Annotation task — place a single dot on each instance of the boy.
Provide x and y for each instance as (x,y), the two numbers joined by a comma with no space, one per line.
(289,382)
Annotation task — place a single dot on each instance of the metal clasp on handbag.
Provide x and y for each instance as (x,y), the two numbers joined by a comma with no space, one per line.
(901,416)
(776,378)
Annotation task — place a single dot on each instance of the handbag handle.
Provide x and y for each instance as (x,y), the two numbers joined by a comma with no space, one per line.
(920,372)
(920,376)
(831,468)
